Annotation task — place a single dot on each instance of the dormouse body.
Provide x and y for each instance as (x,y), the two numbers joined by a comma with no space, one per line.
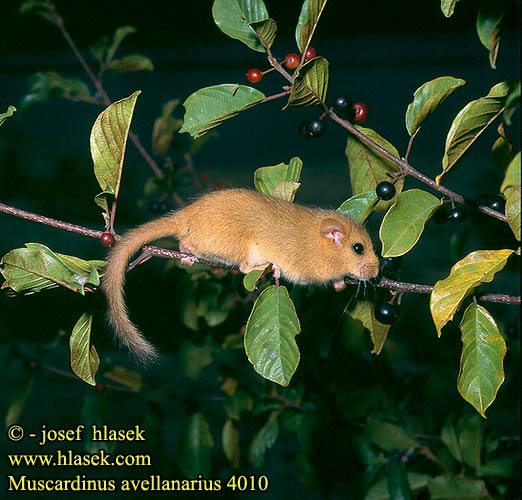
(243,228)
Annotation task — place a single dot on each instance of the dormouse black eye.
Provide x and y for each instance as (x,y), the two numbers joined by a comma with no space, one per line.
(358,248)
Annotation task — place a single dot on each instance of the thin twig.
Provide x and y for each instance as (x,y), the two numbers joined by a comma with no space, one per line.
(192,259)
(103,94)
(401,286)
(410,170)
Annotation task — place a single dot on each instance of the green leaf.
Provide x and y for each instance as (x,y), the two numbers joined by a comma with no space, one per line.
(133,62)
(398,486)
(269,337)
(512,102)
(266,31)
(23,388)
(471,430)
(44,86)
(404,222)
(512,177)
(165,127)
(471,122)
(263,440)
(234,18)
(448,7)
(363,312)
(379,491)
(108,141)
(310,83)
(209,107)
(513,209)
(368,167)
(388,436)
(84,358)
(476,268)
(36,268)
(450,438)
(4,116)
(230,442)
(449,486)
(194,358)
(427,97)
(502,149)
(281,180)
(308,19)
(43,8)
(250,279)
(194,454)
(489,21)
(119,35)
(481,370)
(360,206)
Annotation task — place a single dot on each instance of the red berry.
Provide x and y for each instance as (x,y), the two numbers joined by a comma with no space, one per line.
(99,387)
(107,239)
(254,75)
(292,60)
(310,53)
(361,112)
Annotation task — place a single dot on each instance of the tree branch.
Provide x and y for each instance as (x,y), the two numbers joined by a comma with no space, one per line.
(166,253)
(410,170)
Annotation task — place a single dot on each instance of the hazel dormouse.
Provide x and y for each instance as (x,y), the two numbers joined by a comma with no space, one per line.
(249,230)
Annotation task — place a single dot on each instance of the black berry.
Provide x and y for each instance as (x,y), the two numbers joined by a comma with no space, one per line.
(385,190)
(391,263)
(361,111)
(386,313)
(497,203)
(254,75)
(457,215)
(343,107)
(107,239)
(312,128)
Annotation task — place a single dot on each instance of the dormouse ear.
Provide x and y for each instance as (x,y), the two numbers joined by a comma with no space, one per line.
(334,230)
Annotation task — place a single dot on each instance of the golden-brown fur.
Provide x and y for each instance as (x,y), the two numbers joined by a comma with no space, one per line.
(244,228)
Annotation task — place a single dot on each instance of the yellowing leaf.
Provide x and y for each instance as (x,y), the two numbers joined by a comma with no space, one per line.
(270,335)
(108,141)
(310,83)
(404,222)
(281,180)
(476,268)
(512,177)
(448,7)
(308,19)
(470,123)
(363,312)
(84,358)
(513,209)
(481,365)
(489,22)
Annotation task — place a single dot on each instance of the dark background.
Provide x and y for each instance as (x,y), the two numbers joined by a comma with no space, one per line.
(379,53)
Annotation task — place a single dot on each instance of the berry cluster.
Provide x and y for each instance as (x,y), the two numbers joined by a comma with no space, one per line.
(354,112)
(291,61)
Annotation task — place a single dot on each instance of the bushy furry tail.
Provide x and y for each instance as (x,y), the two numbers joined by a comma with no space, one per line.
(113,281)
